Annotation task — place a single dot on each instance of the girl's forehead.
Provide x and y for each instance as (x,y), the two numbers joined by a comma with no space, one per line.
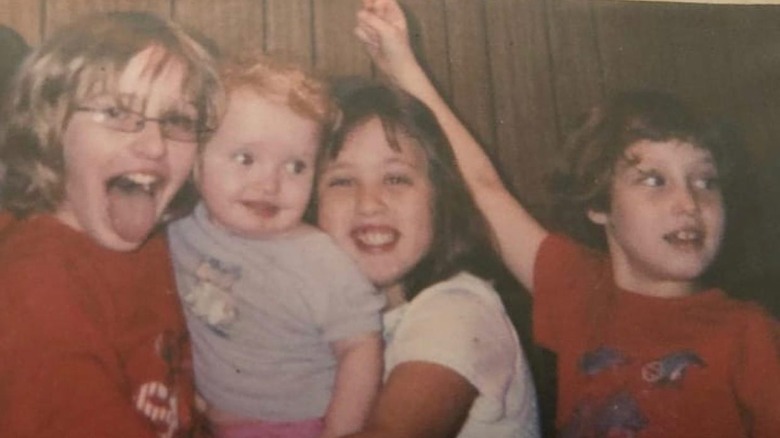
(376,142)
(150,76)
(154,73)
(671,152)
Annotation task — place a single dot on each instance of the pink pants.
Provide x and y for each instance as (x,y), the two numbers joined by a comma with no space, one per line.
(266,429)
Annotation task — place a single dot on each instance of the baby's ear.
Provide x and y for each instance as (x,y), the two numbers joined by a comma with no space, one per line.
(597,217)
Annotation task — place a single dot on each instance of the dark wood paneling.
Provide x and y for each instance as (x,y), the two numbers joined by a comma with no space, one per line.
(24,17)
(233,24)
(751,40)
(60,12)
(575,61)
(428,35)
(336,50)
(524,104)
(471,91)
(634,45)
(288,30)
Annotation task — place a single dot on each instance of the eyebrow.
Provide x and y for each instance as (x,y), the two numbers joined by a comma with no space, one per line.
(335,164)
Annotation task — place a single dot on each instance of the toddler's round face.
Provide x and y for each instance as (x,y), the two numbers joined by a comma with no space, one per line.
(376,203)
(118,184)
(256,173)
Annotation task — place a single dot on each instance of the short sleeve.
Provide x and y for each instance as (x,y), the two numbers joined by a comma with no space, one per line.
(462,327)
(565,278)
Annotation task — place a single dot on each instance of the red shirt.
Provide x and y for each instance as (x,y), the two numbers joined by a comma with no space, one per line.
(634,365)
(92,341)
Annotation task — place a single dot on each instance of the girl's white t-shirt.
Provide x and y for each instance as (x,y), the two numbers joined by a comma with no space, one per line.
(461,324)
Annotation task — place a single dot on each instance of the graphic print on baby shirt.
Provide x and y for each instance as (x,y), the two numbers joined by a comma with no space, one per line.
(211,298)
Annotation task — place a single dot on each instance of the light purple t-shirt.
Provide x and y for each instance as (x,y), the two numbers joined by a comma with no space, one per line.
(262,314)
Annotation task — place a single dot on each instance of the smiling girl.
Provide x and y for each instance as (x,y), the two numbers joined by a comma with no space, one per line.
(103,125)
(645,347)
(391,196)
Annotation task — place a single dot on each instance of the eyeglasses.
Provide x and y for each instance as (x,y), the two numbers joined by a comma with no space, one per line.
(177,127)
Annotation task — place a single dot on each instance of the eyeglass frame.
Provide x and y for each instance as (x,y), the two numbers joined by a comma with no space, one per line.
(140,122)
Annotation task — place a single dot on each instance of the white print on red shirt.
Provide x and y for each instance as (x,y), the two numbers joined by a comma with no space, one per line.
(157,403)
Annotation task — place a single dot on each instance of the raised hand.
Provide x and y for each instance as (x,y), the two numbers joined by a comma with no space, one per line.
(381,27)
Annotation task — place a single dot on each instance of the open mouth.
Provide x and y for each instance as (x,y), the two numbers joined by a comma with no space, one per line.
(132,207)
(689,237)
(375,238)
(265,210)
(135,182)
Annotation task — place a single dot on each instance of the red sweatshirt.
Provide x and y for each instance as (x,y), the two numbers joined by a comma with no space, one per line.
(92,341)
(632,365)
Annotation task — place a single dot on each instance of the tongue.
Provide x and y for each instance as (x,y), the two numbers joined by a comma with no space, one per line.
(132,213)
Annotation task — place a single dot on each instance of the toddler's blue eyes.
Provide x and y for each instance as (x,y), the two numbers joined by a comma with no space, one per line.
(244,158)
(295,167)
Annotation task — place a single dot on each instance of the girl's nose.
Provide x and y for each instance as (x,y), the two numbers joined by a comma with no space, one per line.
(686,199)
(370,200)
(150,143)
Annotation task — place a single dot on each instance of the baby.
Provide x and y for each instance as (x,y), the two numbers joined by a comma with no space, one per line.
(285,328)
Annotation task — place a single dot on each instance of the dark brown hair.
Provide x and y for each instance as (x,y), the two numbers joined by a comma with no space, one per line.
(583,178)
(461,239)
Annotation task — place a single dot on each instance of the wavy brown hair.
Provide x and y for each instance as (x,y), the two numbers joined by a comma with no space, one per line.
(583,178)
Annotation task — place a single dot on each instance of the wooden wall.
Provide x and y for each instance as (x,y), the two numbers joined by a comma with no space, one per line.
(519,72)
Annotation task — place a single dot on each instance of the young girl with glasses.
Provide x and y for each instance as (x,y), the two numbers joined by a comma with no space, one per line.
(103,124)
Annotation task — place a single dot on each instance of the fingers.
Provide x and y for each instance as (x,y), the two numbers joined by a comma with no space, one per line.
(366,29)
(365,36)
(390,11)
(375,25)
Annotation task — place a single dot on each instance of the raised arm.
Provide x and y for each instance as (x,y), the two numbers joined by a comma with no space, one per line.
(382,29)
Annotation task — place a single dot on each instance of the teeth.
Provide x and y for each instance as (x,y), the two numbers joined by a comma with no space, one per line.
(375,238)
(143,179)
(687,235)
(135,181)
(684,236)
